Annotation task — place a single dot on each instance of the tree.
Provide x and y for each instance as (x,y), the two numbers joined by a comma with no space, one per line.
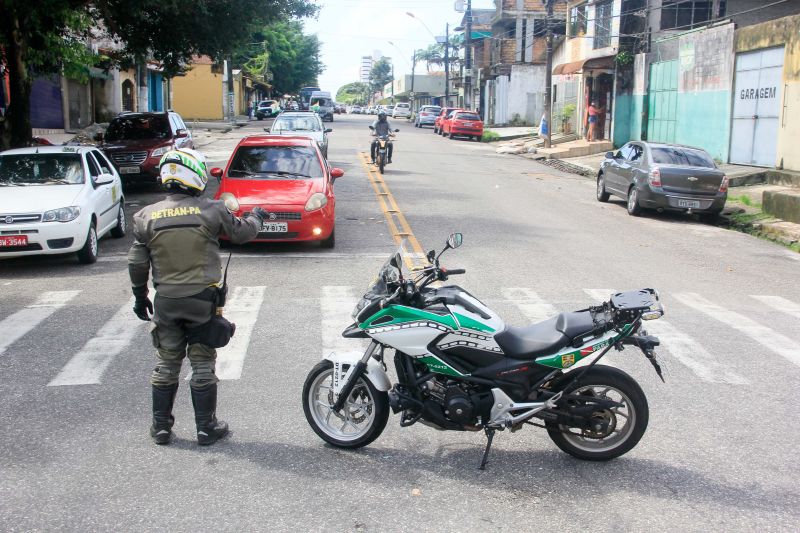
(353,93)
(380,75)
(50,36)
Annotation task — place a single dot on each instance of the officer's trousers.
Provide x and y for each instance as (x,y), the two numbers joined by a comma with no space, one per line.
(172,318)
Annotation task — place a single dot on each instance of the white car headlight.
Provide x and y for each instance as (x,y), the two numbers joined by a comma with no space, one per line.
(63,214)
(158,152)
(317,201)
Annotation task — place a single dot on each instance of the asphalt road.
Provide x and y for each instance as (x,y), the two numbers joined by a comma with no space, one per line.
(718,453)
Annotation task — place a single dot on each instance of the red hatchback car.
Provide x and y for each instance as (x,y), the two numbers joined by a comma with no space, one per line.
(438,123)
(289,178)
(465,123)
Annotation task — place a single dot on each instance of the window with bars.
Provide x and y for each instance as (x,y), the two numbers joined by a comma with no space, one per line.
(687,14)
(602,24)
(577,21)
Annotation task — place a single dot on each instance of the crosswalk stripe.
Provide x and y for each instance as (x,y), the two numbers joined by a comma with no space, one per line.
(767,337)
(531,304)
(781,304)
(683,348)
(337,304)
(88,365)
(242,309)
(18,324)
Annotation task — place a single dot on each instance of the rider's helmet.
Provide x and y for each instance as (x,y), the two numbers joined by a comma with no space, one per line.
(183,170)
(382,116)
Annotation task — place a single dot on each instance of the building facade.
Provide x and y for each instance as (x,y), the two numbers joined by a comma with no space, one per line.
(365,69)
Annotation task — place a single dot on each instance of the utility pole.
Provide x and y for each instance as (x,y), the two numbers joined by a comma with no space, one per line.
(548,79)
(392,82)
(446,64)
(229,71)
(413,67)
(468,59)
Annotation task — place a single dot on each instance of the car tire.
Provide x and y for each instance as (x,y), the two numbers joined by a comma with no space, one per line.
(633,207)
(602,195)
(121,228)
(88,254)
(330,242)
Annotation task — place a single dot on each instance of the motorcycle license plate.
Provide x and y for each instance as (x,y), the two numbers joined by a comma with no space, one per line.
(130,170)
(14,240)
(275,227)
(689,203)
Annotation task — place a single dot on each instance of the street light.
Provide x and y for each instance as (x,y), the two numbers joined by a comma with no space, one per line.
(413,66)
(446,54)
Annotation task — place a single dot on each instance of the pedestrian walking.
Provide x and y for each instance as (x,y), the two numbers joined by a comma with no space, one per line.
(176,238)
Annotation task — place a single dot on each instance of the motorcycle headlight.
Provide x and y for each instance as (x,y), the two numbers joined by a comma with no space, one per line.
(158,152)
(317,201)
(62,214)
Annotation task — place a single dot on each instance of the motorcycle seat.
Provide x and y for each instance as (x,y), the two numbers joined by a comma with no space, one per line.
(546,337)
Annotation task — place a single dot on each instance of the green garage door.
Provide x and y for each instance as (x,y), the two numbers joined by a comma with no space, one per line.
(662,101)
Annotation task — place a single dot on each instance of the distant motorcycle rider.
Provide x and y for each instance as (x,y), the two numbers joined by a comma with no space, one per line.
(381,127)
(177,238)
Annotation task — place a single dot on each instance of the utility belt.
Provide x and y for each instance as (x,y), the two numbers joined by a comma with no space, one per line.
(217,332)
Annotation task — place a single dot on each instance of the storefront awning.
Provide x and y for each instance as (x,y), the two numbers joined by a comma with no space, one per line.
(595,63)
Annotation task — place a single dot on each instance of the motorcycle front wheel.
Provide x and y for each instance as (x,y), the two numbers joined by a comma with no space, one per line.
(381,163)
(614,431)
(361,420)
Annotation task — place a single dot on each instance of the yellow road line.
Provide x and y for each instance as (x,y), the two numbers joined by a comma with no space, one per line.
(396,220)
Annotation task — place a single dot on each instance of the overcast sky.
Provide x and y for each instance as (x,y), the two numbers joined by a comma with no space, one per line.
(349,29)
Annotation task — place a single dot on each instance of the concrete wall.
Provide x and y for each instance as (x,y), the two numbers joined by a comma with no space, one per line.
(629,104)
(759,11)
(582,47)
(782,32)
(526,92)
(198,94)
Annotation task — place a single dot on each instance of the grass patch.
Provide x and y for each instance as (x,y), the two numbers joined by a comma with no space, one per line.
(744,200)
(749,223)
(490,136)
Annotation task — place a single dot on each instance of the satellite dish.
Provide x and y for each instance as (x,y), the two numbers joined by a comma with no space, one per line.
(459,6)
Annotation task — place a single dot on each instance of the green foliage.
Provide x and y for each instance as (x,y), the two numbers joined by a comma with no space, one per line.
(624,58)
(353,93)
(490,136)
(380,75)
(568,111)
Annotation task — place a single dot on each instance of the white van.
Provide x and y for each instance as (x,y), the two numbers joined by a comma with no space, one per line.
(325,102)
(402,110)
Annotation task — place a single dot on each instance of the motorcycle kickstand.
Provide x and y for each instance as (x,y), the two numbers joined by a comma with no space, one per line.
(489,438)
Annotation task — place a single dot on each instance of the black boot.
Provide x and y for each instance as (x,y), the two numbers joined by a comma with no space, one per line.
(163,400)
(209,429)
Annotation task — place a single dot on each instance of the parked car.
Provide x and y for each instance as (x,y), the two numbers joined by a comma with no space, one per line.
(443,114)
(402,110)
(267,109)
(388,109)
(58,200)
(663,177)
(135,142)
(290,179)
(302,123)
(463,123)
(356,110)
(426,116)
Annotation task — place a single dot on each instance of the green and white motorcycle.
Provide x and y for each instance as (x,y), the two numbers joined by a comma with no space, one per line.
(459,367)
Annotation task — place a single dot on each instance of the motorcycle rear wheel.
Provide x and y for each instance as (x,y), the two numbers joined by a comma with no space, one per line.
(365,412)
(624,425)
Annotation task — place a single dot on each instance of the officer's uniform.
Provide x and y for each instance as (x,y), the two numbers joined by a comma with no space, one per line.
(178,238)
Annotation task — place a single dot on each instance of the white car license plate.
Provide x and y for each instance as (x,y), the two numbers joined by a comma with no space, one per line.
(695,204)
(275,227)
(130,170)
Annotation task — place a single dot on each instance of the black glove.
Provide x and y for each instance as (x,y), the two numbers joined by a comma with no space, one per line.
(142,304)
(260,213)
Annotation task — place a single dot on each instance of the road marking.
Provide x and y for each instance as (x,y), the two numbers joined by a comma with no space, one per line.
(767,337)
(242,309)
(683,348)
(88,365)
(781,304)
(337,303)
(18,324)
(531,304)
(398,225)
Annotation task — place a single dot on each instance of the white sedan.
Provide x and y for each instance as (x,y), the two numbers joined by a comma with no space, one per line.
(58,200)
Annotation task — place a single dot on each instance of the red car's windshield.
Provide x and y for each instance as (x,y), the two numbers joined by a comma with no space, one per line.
(269,162)
(467,116)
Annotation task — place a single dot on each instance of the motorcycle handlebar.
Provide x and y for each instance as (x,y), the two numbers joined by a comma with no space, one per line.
(451,271)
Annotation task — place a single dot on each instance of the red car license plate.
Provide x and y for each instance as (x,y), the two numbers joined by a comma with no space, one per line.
(15,240)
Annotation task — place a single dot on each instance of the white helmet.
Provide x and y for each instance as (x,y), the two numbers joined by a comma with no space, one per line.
(184,168)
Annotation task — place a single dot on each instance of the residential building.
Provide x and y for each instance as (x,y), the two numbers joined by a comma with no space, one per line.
(514,86)
(365,69)
(480,50)
(427,88)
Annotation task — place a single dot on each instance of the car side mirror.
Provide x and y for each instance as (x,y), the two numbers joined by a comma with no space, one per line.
(328,130)
(182,133)
(104,179)
(610,155)
(217,173)
(337,173)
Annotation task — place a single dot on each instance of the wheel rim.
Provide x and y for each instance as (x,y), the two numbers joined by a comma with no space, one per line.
(356,417)
(620,421)
(93,241)
(632,201)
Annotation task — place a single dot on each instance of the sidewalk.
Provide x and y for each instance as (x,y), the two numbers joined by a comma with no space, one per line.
(507,133)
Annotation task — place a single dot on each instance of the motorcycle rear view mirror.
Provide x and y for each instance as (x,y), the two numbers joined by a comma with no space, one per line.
(372,127)
(396,130)
(455,240)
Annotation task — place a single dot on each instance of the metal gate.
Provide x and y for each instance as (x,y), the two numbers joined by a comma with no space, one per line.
(662,102)
(756,107)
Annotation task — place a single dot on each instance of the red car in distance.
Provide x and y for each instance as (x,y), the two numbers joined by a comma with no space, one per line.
(465,123)
(290,179)
(437,124)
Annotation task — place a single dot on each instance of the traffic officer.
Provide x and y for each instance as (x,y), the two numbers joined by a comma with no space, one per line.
(177,239)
